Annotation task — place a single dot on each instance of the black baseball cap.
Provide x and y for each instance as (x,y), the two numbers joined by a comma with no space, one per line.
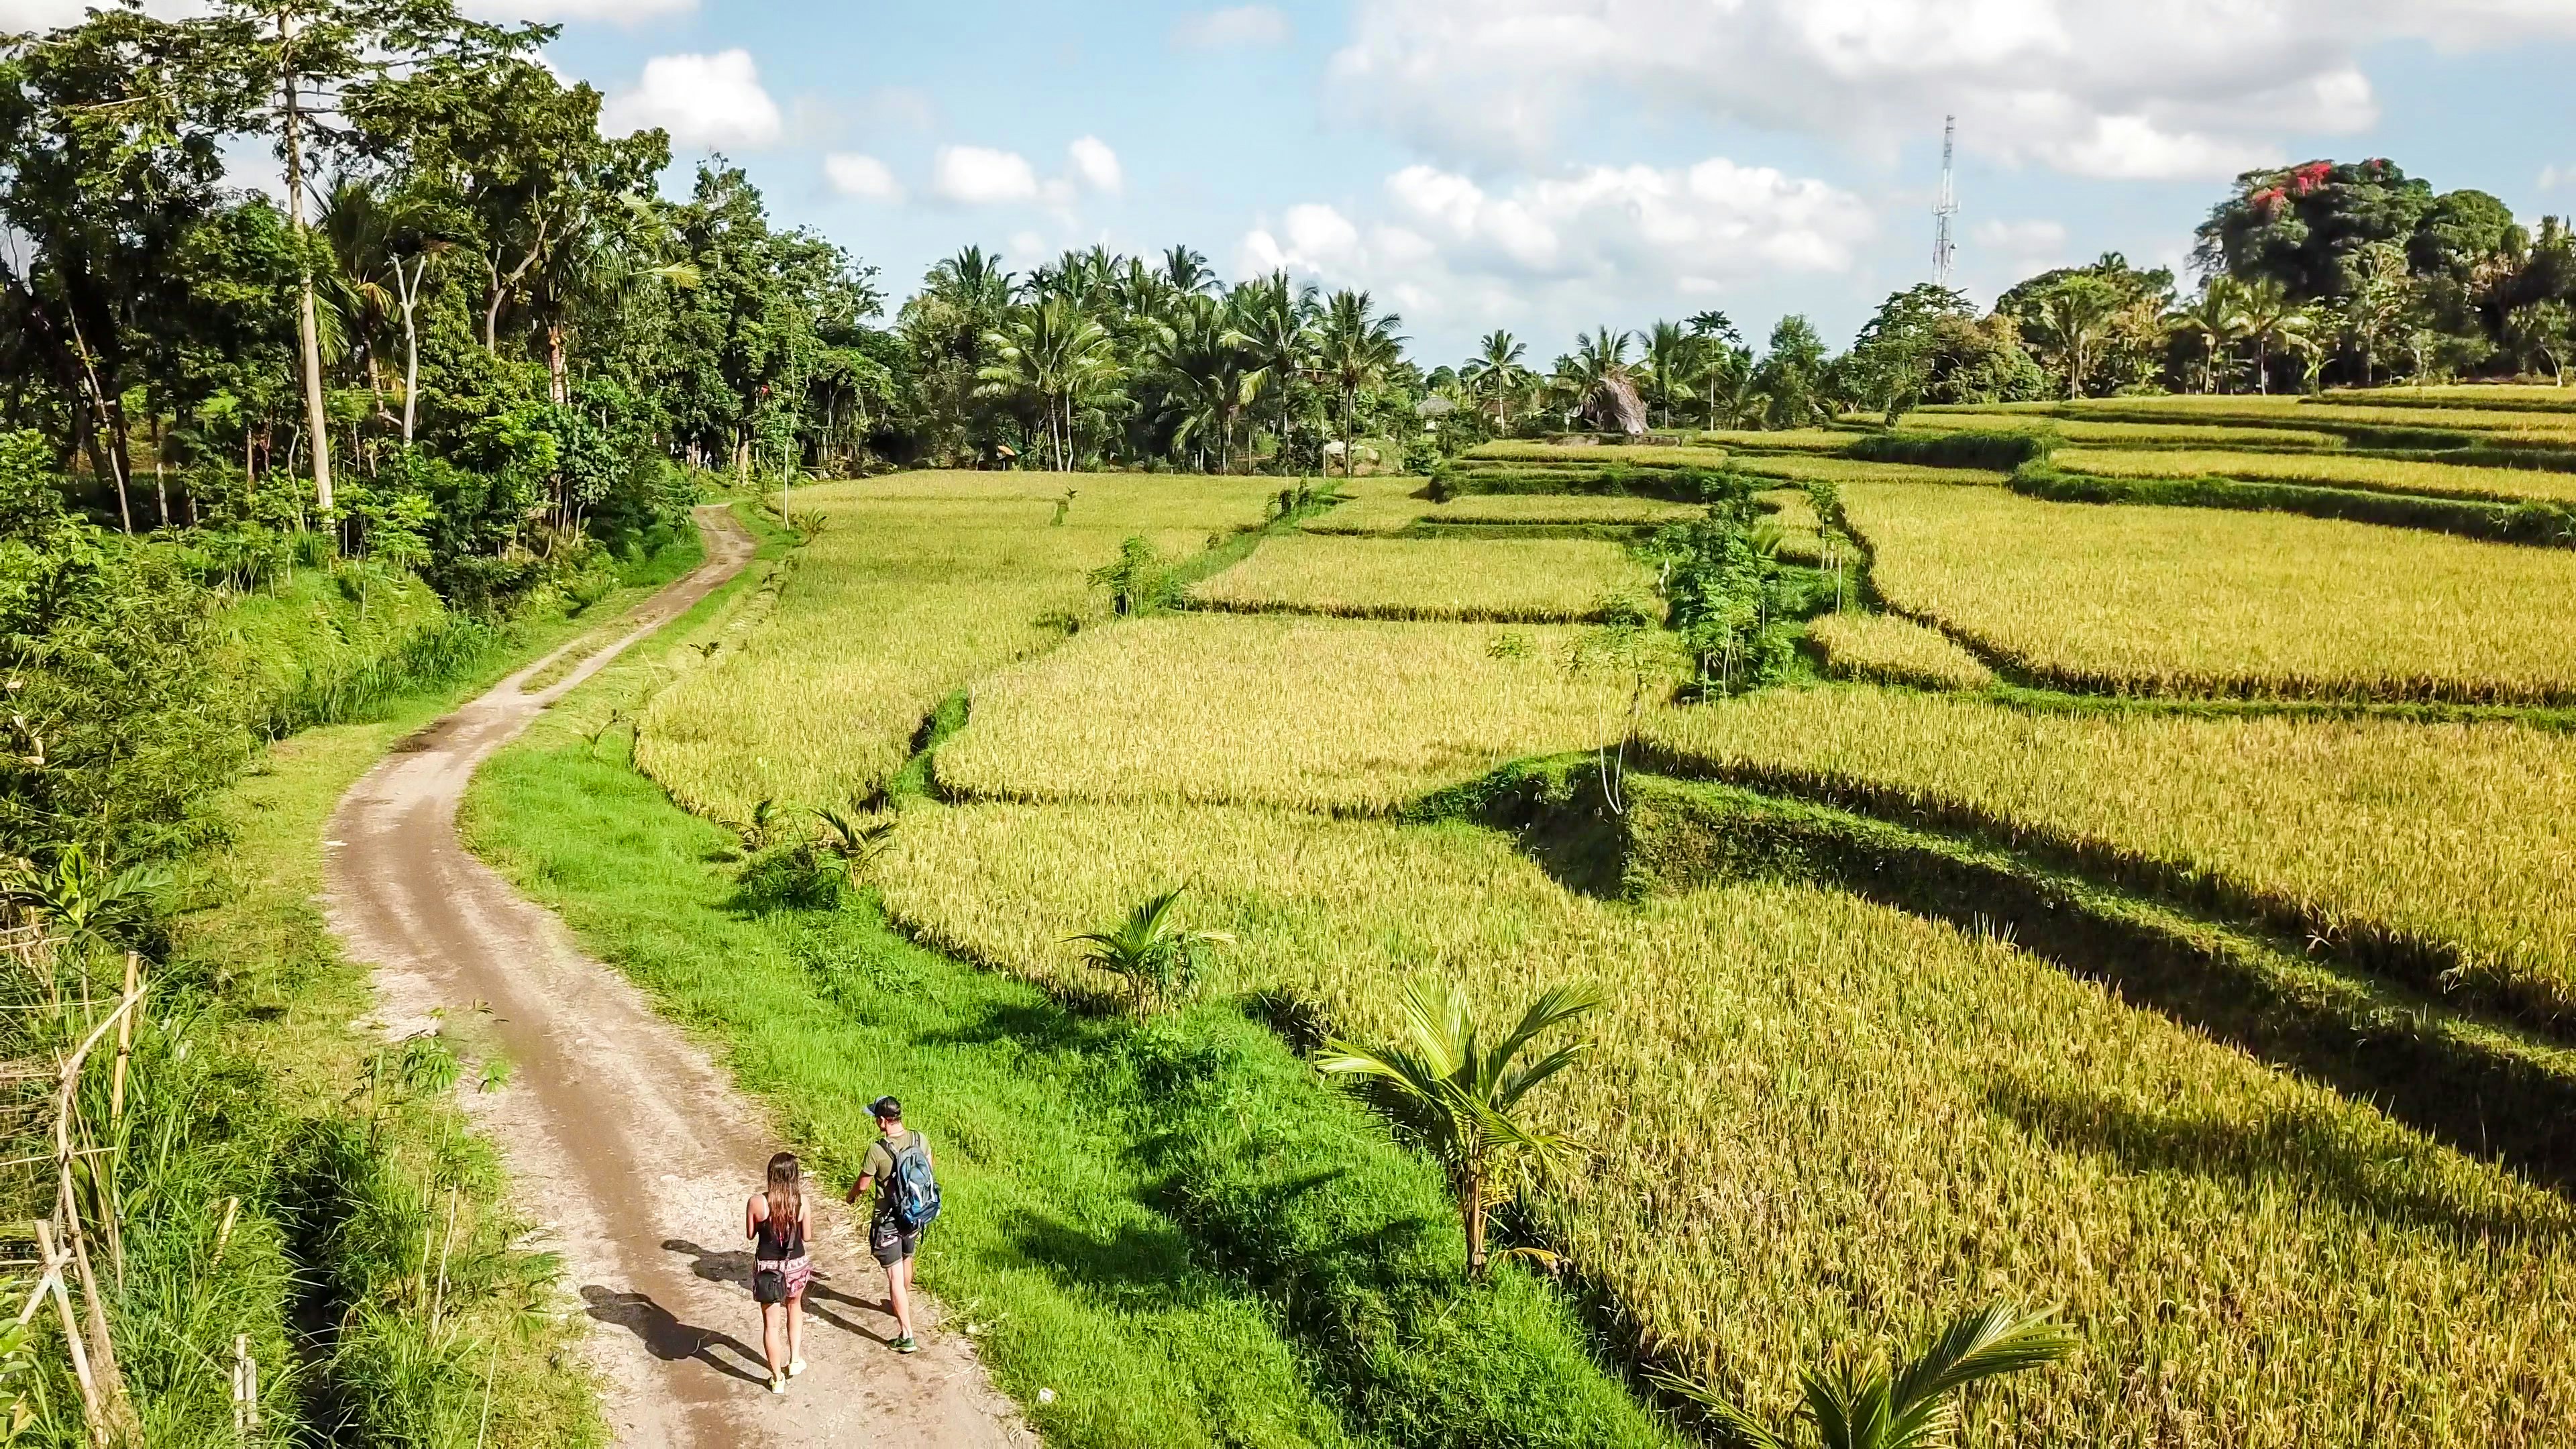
(886,1109)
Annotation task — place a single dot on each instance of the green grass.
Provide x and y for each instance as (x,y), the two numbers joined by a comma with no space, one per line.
(1175,1228)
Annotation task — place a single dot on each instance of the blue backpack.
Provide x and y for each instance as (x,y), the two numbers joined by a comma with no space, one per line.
(916,1192)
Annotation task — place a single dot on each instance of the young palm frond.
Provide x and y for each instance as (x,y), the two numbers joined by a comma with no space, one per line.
(857,839)
(1461,1098)
(1900,1406)
(1149,950)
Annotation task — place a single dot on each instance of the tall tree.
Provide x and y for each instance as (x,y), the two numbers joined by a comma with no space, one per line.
(1050,351)
(1355,347)
(1275,326)
(1496,375)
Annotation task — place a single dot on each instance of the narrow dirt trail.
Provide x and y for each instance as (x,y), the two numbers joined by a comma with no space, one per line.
(624,1140)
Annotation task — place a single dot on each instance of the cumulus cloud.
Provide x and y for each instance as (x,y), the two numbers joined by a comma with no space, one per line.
(1096,166)
(2143,89)
(865,177)
(2553,177)
(1590,239)
(702,100)
(1236,27)
(981,176)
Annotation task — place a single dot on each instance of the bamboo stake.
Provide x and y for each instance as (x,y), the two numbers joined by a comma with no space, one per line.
(124,1038)
(245,1388)
(71,1335)
(114,1413)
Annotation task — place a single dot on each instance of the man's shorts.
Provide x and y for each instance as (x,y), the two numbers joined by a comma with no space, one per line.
(888,1240)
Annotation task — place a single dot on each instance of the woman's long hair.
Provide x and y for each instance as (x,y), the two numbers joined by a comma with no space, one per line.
(786,1194)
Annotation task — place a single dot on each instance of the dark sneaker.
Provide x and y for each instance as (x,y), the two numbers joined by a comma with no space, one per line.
(906,1345)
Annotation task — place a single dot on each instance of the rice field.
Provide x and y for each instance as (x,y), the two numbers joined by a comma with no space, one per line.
(1533,580)
(1894,650)
(1565,508)
(2334,470)
(1784,440)
(1321,714)
(2451,844)
(2187,601)
(1854,470)
(1816,1124)
(918,584)
(2133,434)
(1372,506)
(1598,455)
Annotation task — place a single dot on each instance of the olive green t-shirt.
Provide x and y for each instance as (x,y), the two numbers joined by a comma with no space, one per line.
(880,1164)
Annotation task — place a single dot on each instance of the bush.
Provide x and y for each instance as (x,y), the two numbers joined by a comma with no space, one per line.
(2000,452)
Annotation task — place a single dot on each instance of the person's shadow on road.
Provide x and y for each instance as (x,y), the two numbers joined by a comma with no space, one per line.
(666,1337)
(735,1268)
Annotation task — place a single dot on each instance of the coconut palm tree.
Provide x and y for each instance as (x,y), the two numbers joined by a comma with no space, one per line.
(1670,352)
(1900,1406)
(1495,374)
(2071,319)
(1149,950)
(1602,381)
(1208,372)
(1051,351)
(1274,324)
(1355,349)
(1187,272)
(2216,320)
(2273,323)
(1462,1098)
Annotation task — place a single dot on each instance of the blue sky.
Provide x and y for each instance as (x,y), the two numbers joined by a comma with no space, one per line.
(1546,165)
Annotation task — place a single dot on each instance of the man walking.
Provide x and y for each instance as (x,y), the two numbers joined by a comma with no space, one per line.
(898,1168)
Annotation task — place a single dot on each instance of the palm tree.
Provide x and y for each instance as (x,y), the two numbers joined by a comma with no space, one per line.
(1274,324)
(1186,271)
(1050,351)
(1908,1406)
(2216,320)
(1669,353)
(1495,373)
(1602,381)
(1355,349)
(1462,1099)
(2272,321)
(1208,373)
(1149,950)
(2072,317)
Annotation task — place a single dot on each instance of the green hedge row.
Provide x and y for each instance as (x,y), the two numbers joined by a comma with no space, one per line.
(1998,450)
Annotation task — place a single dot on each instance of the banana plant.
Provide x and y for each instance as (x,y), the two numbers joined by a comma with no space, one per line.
(1909,1405)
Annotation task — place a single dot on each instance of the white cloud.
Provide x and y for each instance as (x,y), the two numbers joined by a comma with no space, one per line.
(702,100)
(1096,166)
(1241,25)
(624,12)
(981,176)
(1574,246)
(865,177)
(2553,177)
(2021,238)
(2146,88)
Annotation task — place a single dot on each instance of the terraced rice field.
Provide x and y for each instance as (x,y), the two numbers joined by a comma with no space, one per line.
(1894,650)
(2335,470)
(2448,850)
(1322,714)
(1814,1119)
(2190,601)
(919,583)
(2130,434)
(1598,455)
(1544,580)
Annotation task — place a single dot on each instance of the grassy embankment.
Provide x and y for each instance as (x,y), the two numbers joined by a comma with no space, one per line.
(1174,1227)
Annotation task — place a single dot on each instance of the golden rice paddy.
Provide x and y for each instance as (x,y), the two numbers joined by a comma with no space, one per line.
(1540,580)
(1893,650)
(2327,470)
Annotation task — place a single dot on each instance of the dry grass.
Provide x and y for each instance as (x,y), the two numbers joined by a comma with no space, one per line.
(2330,470)
(1508,580)
(2189,601)
(1319,714)
(2451,838)
(1817,1123)
(920,583)
(1894,650)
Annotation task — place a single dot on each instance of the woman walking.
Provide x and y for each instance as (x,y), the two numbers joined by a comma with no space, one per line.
(775,1220)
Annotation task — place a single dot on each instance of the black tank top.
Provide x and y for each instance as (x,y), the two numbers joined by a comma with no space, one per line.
(771,1245)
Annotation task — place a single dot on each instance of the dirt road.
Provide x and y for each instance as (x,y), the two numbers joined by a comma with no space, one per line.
(623,1139)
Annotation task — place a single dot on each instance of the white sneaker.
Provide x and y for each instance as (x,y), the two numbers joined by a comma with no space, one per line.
(795,1367)
(778,1383)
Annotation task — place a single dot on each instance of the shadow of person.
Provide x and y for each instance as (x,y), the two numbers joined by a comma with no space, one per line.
(666,1337)
(734,1268)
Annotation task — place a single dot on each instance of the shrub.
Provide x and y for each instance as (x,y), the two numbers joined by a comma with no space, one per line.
(2000,451)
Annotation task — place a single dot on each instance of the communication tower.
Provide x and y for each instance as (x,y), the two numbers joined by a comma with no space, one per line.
(1944,249)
